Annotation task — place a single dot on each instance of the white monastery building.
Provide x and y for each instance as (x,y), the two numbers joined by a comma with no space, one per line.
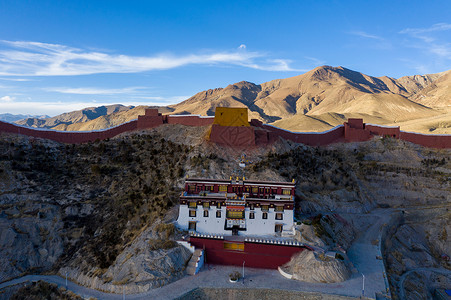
(237,207)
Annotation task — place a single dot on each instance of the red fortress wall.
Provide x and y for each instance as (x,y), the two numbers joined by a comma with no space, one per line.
(265,134)
(427,140)
(151,119)
(189,120)
(69,137)
(256,134)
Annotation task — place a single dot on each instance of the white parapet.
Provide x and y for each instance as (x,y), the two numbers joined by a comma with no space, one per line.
(186,245)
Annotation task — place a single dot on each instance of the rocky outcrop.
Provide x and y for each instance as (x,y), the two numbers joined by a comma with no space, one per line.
(312,267)
(138,268)
(29,238)
(327,232)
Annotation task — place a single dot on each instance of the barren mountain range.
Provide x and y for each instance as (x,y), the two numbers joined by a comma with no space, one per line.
(314,101)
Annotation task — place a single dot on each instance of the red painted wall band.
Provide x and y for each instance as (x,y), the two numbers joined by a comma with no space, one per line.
(256,255)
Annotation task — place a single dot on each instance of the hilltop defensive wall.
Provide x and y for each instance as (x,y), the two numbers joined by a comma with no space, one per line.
(231,127)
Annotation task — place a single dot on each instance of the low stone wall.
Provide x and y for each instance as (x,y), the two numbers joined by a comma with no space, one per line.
(388,230)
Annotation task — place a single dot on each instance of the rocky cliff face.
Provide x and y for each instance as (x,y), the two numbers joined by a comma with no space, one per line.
(29,236)
(152,260)
(82,206)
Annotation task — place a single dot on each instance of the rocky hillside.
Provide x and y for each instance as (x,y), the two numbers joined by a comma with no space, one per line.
(327,96)
(13,118)
(81,206)
(91,118)
(60,122)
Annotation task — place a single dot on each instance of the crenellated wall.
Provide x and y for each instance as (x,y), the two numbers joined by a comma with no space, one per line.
(242,136)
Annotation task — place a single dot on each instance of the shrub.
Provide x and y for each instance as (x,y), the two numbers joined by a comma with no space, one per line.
(235,275)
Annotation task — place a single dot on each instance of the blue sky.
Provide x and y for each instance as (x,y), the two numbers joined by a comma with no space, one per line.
(58,56)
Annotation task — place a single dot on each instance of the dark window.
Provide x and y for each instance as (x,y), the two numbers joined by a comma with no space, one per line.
(251,206)
(192,226)
(206,205)
(192,213)
(251,215)
(235,214)
(279,216)
(278,228)
(206,213)
(265,215)
(218,214)
(265,207)
(279,208)
(192,204)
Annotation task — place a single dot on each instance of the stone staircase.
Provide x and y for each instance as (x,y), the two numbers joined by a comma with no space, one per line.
(197,259)
(195,262)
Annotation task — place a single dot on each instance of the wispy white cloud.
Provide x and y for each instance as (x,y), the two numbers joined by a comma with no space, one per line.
(366,35)
(7,98)
(59,107)
(94,90)
(161,100)
(25,58)
(16,79)
(316,61)
(242,46)
(373,41)
(273,65)
(430,41)
(433,28)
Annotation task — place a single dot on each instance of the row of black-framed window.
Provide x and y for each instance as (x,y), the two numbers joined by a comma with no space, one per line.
(278,216)
(206,205)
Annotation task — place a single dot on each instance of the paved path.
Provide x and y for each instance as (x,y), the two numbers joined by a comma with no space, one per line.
(362,254)
(211,276)
(406,274)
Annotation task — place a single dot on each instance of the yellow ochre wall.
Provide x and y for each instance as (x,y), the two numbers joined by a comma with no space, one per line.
(231,116)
